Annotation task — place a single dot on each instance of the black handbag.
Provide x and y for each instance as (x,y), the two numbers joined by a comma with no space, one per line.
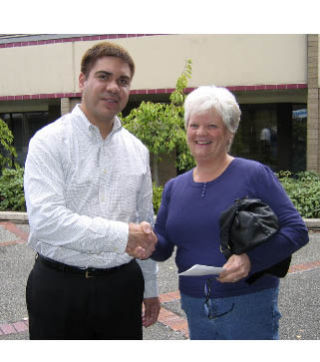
(246,224)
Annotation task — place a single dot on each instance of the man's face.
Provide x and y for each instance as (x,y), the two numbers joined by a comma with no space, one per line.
(105,91)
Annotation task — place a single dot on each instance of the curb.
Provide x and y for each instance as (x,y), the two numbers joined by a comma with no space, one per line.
(22,218)
(312,224)
(15,217)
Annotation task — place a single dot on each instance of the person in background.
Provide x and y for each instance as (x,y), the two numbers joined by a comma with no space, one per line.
(265,144)
(88,192)
(224,307)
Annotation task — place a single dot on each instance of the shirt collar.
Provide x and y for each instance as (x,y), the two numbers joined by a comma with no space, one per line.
(88,127)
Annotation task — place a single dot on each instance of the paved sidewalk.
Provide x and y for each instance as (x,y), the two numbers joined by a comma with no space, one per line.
(299,299)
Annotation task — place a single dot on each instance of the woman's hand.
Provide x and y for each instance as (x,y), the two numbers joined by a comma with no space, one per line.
(237,267)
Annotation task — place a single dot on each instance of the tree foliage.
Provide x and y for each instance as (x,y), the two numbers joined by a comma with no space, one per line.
(8,152)
(11,175)
(156,197)
(160,126)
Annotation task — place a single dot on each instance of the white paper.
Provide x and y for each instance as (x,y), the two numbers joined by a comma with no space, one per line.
(197,270)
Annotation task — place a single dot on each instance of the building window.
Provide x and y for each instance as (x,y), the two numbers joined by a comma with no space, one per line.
(23,126)
(274,134)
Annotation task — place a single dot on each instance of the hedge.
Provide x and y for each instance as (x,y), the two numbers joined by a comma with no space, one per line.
(303,189)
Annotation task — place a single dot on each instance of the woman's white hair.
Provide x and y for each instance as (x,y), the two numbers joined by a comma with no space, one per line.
(206,98)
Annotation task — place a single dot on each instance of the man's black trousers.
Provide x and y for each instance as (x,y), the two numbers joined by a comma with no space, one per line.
(66,305)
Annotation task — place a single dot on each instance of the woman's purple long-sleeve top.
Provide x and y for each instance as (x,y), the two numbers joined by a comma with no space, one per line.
(188,219)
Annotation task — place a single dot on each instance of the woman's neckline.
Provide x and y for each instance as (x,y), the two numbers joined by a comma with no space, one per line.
(214,176)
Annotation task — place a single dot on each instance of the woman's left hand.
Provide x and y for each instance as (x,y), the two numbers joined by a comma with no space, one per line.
(237,267)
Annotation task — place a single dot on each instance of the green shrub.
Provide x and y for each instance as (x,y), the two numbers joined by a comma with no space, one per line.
(157,193)
(11,190)
(303,189)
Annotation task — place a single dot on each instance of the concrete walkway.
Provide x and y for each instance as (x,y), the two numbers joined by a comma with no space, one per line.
(299,300)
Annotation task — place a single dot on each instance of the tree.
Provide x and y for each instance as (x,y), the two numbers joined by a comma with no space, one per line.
(160,126)
(8,152)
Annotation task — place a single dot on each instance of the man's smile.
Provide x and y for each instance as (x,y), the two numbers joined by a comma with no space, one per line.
(203,142)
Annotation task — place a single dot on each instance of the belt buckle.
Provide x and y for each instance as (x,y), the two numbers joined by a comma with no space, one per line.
(87,274)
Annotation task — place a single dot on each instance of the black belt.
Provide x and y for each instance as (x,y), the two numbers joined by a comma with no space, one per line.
(87,273)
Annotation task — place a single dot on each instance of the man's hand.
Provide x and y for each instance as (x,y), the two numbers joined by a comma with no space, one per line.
(151,311)
(141,241)
(237,267)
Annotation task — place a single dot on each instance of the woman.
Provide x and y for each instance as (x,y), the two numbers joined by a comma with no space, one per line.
(224,307)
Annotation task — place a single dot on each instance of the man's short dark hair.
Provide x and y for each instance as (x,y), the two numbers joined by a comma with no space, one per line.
(105,49)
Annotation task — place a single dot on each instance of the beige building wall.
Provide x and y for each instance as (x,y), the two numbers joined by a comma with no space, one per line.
(41,69)
(229,60)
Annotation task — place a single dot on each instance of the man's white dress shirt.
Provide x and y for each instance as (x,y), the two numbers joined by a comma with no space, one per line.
(82,191)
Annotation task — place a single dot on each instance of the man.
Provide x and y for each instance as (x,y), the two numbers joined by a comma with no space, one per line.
(89,200)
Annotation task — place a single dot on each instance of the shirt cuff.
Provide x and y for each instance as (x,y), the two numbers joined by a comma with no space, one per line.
(149,270)
(151,289)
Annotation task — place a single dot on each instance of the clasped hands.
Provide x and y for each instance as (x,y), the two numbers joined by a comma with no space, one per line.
(141,241)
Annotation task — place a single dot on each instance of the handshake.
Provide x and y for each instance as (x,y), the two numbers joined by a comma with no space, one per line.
(141,240)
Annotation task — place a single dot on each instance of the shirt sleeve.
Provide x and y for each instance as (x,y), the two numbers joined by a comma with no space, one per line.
(145,211)
(50,220)
(164,247)
(292,234)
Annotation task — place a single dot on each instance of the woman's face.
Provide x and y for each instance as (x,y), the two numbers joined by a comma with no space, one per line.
(207,136)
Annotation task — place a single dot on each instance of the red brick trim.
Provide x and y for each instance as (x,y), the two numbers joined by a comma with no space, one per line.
(304,267)
(13,328)
(267,87)
(169,297)
(40,96)
(73,39)
(13,242)
(14,229)
(156,91)
(246,88)
(22,237)
(174,321)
